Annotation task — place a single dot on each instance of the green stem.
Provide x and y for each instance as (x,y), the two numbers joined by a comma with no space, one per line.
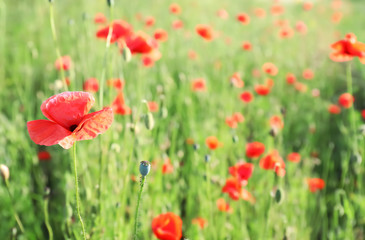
(13,207)
(209,196)
(352,112)
(58,52)
(77,193)
(138,202)
(46,219)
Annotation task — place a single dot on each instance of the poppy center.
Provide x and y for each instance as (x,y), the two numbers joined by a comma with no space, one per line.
(73,127)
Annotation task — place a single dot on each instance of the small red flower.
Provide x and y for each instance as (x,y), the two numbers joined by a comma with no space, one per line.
(272,161)
(230,121)
(198,85)
(100,18)
(233,187)
(213,143)
(243,18)
(286,32)
(140,42)
(300,87)
(167,167)
(246,97)
(301,27)
(160,35)
(64,63)
(363,114)
(117,83)
(242,171)
(262,90)
(334,109)
(152,106)
(277,10)
(223,206)
(44,156)
(336,17)
(192,54)
(290,78)
(294,157)
(167,226)
(270,68)
(119,106)
(205,31)
(254,149)
(120,29)
(201,222)
(259,12)
(68,120)
(149,21)
(177,24)
(246,46)
(276,122)
(308,74)
(222,13)
(345,50)
(346,100)
(175,8)
(236,80)
(307,6)
(91,85)
(238,117)
(315,184)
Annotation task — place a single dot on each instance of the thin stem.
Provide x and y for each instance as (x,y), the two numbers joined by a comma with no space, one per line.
(12,206)
(77,193)
(209,196)
(46,219)
(352,113)
(138,202)
(58,52)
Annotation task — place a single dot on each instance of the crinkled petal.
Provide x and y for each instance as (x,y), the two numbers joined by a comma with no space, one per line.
(46,132)
(67,108)
(340,57)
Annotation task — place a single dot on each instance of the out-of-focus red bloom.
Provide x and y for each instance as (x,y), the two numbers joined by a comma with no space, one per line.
(336,4)
(286,32)
(363,114)
(120,29)
(301,27)
(205,31)
(64,63)
(177,24)
(294,157)
(259,12)
(246,97)
(290,78)
(100,18)
(231,122)
(242,171)
(281,23)
(119,106)
(269,82)
(161,35)
(348,48)
(223,206)
(233,187)
(300,87)
(246,45)
(315,184)
(140,42)
(256,73)
(334,109)
(307,6)
(213,143)
(167,226)
(236,80)
(308,74)
(316,92)
(222,13)
(238,117)
(277,10)
(147,61)
(91,85)
(276,122)
(201,222)
(149,21)
(152,106)
(198,85)
(44,156)
(243,18)
(247,196)
(68,120)
(190,141)
(117,83)
(167,167)
(346,100)
(270,68)
(262,90)
(271,161)
(279,170)
(254,149)
(192,54)
(336,17)
(175,8)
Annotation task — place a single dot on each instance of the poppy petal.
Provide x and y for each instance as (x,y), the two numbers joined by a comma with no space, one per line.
(46,132)
(75,104)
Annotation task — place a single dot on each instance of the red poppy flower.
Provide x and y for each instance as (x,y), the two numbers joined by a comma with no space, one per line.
(100,18)
(334,109)
(336,4)
(286,32)
(222,13)
(198,85)
(247,196)
(307,6)
(272,161)
(256,73)
(68,120)
(152,106)
(147,61)
(308,74)
(177,24)
(119,106)
(254,149)
(213,143)
(160,35)
(231,122)
(259,12)
(270,68)
(269,82)
(262,90)
(294,157)
(236,80)
(300,87)
(121,29)
(140,42)
(201,222)
(223,206)
(281,23)
(238,117)
(44,156)
(346,100)
(276,122)
(233,187)
(315,184)
(290,78)
(363,114)
(149,21)
(205,31)
(175,9)
(246,97)
(336,17)
(246,46)
(64,63)
(167,167)
(117,83)
(345,50)
(301,27)
(91,85)
(192,54)
(242,171)
(243,18)
(167,226)
(277,10)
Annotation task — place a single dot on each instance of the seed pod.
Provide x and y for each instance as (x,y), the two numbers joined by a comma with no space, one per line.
(279,196)
(196,146)
(4,170)
(110,3)
(127,55)
(235,138)
(149,121)
(144,168)
(207,158)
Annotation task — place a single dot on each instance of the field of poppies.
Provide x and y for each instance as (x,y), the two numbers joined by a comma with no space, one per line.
(215,120)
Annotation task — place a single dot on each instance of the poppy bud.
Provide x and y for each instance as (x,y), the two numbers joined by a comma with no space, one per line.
(279,196)
(127,55)
(235,138)
(110,3)
(196,146)
(274,132)
(164,112)
(144,168)
(207,158)
(47,191)
(149,121)
(50,1)
(4,170)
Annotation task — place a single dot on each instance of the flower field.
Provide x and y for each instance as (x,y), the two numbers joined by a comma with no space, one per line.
(200,120)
